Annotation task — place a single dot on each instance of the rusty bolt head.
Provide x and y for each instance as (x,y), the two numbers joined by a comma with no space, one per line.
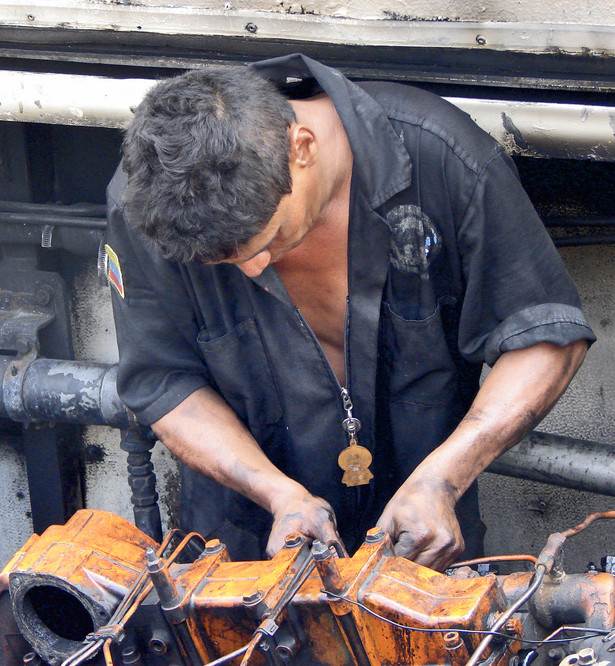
(293,540)
(251,599)
(513,626)
(375,535)
(213,546)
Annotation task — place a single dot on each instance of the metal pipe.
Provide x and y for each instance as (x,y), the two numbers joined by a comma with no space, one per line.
(53,219)
(562,461)
(83,242)
(86,393)
(536,129)
(81,209)
(65,391)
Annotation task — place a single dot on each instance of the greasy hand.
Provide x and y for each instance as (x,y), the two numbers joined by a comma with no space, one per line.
(305,514)
(421,520)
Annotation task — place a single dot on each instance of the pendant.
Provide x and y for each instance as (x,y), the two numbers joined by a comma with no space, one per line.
(355,461)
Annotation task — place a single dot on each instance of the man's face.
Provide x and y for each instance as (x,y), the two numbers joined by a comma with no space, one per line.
(287,228)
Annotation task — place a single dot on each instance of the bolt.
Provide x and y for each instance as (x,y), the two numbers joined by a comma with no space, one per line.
(252,27)
(31,17)
(556,654)
(251,599)
(213,546)
(375,535)
(14,370)
(293,540)
(320,551)
(452,639)
(157,646)
(480,39)
(513,626)
(586,656)
(43,294)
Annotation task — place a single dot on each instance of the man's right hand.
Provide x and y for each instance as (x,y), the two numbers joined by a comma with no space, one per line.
(205,433)
(304,514)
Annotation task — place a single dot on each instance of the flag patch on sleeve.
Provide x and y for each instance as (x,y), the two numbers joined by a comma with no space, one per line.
(114,271)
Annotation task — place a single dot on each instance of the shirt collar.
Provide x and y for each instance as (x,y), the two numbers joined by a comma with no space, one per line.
(382,164)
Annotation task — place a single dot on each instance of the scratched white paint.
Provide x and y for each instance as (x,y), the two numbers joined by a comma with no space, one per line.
(547,129)
(594,12)
(538,27)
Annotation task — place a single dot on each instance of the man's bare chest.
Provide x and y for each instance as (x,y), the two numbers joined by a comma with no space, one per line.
(321,298)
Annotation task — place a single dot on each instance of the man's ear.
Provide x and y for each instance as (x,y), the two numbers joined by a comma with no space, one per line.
(303,145)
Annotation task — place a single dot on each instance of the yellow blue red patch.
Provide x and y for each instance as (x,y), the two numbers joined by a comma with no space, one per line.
(114,271)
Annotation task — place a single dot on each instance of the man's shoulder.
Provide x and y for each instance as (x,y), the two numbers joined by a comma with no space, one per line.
(421,110)
(116,187)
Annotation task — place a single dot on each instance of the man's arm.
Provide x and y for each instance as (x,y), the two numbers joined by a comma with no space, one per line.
(205,433)
(518,392)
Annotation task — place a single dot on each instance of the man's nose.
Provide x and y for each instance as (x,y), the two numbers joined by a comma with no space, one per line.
(256,265)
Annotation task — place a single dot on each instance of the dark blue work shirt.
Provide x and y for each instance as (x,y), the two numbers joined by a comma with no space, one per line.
(449,267)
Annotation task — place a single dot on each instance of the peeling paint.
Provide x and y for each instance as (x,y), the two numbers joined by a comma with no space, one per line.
(513,131)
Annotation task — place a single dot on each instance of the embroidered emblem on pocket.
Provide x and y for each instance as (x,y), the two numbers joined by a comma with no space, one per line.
(114,271)
(414,240)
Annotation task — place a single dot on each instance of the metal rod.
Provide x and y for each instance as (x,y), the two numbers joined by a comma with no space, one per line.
(562,461)
(55,219)
(536,129)
(87,209)
(65,391)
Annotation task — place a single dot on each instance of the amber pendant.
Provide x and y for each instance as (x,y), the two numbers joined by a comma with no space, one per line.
(355,461)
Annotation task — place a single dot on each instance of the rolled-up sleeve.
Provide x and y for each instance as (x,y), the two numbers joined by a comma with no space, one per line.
(159,365)
(518,292)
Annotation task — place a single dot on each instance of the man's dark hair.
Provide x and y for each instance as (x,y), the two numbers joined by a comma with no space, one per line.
(207,158)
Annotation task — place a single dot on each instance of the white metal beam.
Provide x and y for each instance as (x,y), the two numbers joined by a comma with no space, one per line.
(537,129)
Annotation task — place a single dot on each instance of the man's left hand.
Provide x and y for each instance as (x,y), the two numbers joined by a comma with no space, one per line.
(421,521)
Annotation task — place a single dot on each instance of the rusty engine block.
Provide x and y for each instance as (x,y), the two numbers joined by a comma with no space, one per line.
(99,590)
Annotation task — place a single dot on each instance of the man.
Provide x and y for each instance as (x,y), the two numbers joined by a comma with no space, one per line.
(266,253)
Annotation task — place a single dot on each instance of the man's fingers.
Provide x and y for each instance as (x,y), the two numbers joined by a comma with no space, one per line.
(406,546)
(436,553)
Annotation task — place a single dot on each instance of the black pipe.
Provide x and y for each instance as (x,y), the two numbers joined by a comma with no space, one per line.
(84,242)
(81,209)
(86,393)
(53,219)
(561,461)
(64,391)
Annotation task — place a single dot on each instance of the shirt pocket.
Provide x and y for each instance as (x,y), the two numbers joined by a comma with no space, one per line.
(416,360)
(238,363)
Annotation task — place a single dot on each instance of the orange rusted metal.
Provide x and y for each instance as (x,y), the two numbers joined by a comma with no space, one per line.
(289,606)
(67,582)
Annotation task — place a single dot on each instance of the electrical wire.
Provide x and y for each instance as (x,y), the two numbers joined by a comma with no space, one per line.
(426,630)
(508,613)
